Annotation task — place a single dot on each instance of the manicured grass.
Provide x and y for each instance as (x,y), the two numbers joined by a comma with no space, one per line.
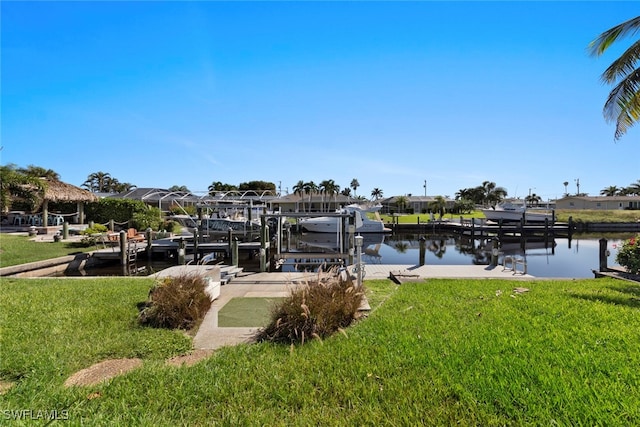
(440,352)
(51,328)
(562,215)
(18,249)
(246,312)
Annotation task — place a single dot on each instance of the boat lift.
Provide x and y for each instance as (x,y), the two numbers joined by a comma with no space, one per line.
(345,237)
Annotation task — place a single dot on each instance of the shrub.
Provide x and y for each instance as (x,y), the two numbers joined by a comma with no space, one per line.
(315,310)
(628,255)
(90,235)
(176,303)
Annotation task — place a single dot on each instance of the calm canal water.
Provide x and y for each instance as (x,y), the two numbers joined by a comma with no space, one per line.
(560,257)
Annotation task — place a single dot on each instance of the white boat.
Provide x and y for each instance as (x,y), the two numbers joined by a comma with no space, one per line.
(509,212)
(330,224)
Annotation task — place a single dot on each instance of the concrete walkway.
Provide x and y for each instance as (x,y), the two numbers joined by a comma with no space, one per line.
(264,285)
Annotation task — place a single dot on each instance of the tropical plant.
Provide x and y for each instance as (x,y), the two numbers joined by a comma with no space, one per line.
(354,184)
(314,311)
(628,255)
(298,189)
(401,203)
(310,188)
(258,186)
(464,206)
(40,172)
(566,191)
(180,188)
(219,186)
(98,182)
(330,188)
(533,199)
(623,103)
(376,194)
(492,193)
(438,205)
(612,190)
(633,189)
(179,302)
(16,185)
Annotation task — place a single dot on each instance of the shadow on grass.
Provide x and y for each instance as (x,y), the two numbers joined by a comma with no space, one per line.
(630,297)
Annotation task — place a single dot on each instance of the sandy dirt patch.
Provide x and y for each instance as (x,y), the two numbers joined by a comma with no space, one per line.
(102,371)
(189,359)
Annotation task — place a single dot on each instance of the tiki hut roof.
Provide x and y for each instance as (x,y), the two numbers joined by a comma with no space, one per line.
(58,191)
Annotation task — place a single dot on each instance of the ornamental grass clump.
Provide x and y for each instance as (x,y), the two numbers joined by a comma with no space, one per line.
(176,303)
(628,255)
(317,309)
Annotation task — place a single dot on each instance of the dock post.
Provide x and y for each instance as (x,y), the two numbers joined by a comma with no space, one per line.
(423,250)
(148,236)
(494,252)
(546,229)
(263,244)
(570,227)
(234,252)
(603,255)
(195,245)
(229,242)
(123,247)
(182,250)
(473,228)
(65,230)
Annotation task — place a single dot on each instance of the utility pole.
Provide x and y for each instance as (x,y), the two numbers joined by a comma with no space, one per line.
(578,186)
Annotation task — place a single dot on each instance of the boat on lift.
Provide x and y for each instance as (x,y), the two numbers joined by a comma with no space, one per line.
(331,223)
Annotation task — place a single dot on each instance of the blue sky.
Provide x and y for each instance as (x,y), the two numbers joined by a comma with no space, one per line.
(390,93)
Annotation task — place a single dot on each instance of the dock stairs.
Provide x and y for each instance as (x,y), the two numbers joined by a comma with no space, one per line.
(228,273)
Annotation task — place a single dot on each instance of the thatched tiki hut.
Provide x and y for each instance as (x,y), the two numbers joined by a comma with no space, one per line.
(58,191)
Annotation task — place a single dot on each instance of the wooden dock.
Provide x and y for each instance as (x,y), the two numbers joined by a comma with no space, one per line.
(482,228)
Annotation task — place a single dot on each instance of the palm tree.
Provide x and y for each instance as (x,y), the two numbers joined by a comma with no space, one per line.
(566,184)
(492,193)
(15,184)
(633,189)
(40,172)
(354,184)
(328,187)
(181,188)
(438,205)
(610,191)
(310,188)
(98,182)
(299,190)
(533,199)
(401,202)
(376,194)
(623,104)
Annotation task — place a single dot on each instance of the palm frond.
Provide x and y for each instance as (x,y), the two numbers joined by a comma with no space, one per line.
(623,104)
(598,46)
(624,65)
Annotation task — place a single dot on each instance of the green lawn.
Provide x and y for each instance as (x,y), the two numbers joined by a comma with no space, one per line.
(19,249)
(440,352)
(578,215)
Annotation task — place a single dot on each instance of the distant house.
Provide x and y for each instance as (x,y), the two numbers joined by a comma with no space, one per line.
(415,204)
(599,202)
(315,202)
